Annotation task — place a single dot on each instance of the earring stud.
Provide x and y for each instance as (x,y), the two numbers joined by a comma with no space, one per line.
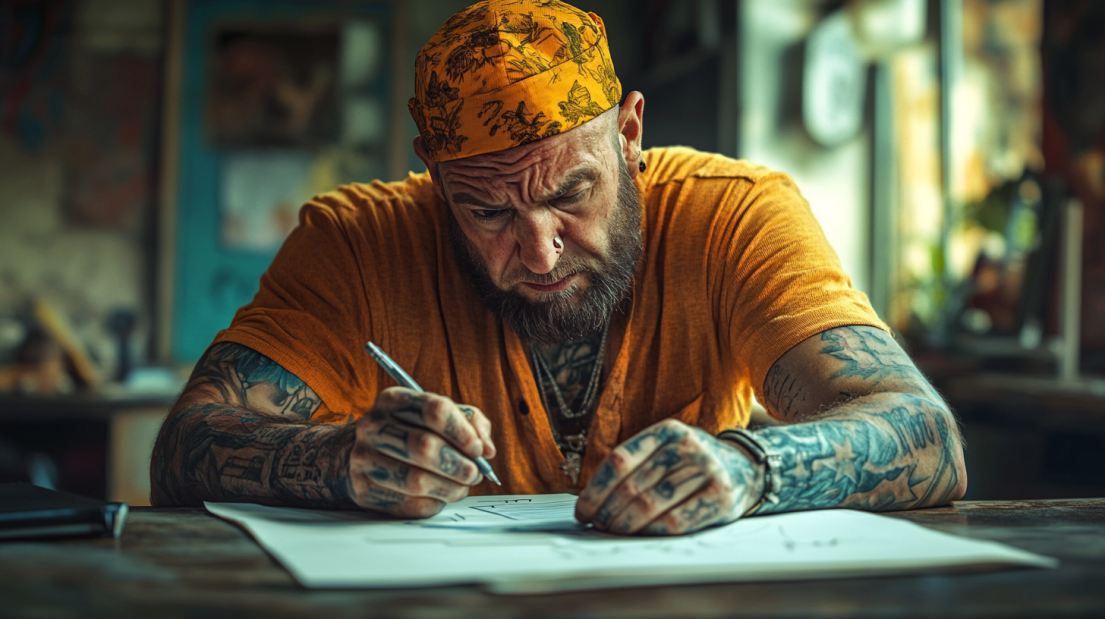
(641,165)
(557,243)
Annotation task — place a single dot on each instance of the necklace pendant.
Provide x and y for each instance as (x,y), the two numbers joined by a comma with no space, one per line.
(575,442)
(573,466)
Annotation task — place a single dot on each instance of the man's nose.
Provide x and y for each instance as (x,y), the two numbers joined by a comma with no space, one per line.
(539,242)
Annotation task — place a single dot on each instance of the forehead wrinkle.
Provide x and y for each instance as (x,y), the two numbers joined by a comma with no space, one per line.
(583,172)
(495,188)
(501,163)
(530,184)
(464,197)
(531,172)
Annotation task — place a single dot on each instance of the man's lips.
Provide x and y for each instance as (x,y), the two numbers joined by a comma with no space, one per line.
(554,287)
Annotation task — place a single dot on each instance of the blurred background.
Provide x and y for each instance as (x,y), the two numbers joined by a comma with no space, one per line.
(154,154)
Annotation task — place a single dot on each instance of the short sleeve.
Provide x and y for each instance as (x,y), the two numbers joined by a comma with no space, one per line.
(311,314)
(777,279)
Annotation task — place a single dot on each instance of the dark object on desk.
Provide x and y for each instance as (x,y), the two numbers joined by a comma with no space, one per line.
(29,511)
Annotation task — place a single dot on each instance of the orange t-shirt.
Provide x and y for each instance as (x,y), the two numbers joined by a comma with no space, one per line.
(735,271)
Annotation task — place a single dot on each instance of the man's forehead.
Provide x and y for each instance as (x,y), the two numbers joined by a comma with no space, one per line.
(546,164)
(484,192)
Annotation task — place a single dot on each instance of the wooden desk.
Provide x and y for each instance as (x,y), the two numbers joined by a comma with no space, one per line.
(186,563)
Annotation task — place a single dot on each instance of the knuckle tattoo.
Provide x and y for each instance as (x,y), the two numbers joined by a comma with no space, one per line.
(439,492)
(450,462)
(665,490)
(601,480)
(674,427)
(451,428)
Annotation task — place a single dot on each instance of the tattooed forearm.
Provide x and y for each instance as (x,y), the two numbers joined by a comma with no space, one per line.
(216,452)
(238,434)
(233,436)
(881,452)
(875,434)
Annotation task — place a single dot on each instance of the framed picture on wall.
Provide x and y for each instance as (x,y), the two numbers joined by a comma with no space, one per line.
(267,103)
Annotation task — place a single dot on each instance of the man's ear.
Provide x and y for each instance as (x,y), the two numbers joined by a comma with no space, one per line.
(631,118)
(431,165)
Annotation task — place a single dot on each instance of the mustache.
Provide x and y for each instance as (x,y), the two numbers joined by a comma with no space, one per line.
(567,266)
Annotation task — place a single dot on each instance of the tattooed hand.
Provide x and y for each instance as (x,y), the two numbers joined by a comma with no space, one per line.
(413,453)
(669,479)
(241,432)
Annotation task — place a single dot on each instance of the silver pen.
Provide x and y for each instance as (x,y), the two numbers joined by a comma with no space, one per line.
(396,372)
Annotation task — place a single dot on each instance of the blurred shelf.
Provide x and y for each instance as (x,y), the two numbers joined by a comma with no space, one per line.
(79,406)
(1034,400)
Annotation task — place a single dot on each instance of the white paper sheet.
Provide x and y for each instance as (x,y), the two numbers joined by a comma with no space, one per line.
(529,544)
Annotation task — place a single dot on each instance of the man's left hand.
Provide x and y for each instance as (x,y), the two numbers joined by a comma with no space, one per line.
(669,479)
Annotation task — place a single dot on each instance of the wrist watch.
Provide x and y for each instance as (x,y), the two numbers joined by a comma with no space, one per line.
(761,455)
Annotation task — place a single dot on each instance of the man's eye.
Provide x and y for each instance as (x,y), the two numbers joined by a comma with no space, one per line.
(569,198)
(487,214)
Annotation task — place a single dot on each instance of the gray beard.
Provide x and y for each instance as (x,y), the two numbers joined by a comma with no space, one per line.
(558,318)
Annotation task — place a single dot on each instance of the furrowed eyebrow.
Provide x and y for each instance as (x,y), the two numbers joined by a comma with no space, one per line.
(574,179)
(471,200)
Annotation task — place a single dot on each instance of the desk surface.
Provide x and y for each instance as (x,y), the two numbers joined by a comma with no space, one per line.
(186,563)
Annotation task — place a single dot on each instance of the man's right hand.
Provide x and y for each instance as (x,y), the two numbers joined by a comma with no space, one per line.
(413,453)
(241,432)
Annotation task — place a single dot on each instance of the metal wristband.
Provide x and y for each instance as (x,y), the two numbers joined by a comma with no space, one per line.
(760,455)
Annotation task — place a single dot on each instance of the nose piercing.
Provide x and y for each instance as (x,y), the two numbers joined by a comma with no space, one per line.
(557,243)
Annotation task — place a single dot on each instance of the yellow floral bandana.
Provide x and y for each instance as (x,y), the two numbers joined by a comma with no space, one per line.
(503,73)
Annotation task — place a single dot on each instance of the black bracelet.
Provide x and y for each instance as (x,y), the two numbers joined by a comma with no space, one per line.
(761,455)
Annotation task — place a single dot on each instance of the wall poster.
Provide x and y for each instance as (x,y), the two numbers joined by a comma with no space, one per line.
(277,101)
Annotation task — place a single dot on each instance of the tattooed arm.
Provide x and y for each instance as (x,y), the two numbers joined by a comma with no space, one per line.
(870,432)
(866,430)
(240,432)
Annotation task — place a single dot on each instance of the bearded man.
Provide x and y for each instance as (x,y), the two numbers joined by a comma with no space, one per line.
(592,318)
